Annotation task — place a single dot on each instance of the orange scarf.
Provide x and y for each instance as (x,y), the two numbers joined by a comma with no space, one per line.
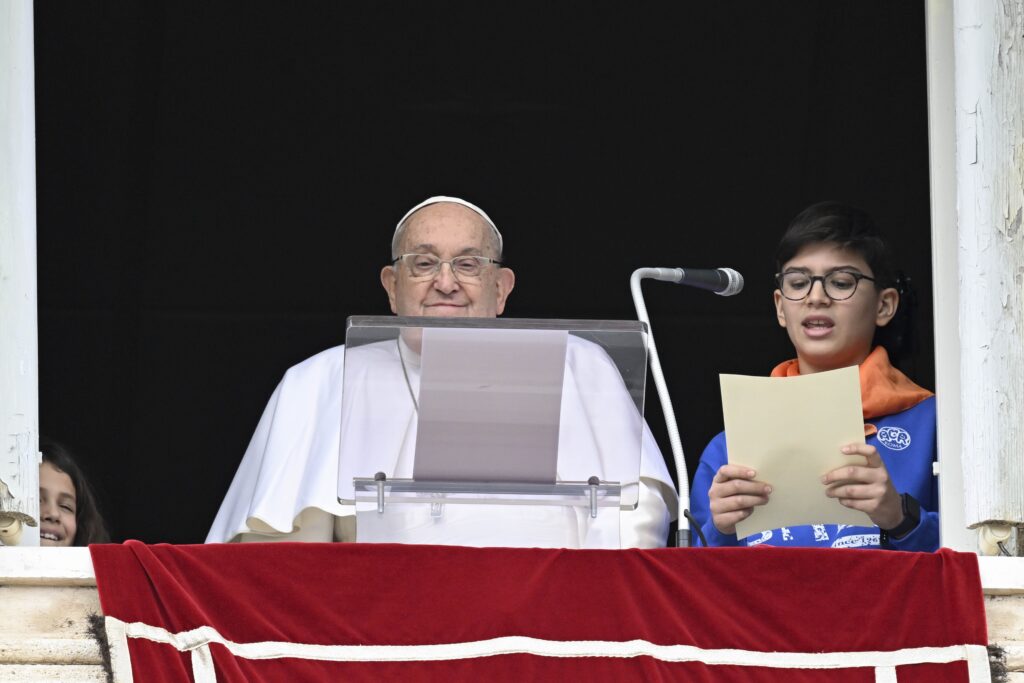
(884,390)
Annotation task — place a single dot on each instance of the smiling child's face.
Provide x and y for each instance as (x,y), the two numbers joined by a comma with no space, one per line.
(57,507)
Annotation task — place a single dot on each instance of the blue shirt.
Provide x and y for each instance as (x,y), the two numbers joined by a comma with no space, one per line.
(906,443)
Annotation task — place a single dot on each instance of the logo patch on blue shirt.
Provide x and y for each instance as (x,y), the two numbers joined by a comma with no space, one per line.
(894,438)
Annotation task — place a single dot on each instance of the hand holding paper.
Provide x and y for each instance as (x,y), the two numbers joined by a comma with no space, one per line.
(866,488)
(733,495)
(790,432)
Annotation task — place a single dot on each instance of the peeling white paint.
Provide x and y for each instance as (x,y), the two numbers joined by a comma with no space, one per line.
(989,94)
(19,392)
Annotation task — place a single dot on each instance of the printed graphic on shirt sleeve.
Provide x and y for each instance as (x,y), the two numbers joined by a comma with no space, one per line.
(858,541)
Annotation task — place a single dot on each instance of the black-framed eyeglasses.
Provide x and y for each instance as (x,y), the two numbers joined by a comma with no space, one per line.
(839,285)
(429,265)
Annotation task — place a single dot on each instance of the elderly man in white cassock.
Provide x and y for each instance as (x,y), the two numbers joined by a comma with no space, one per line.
(286,485)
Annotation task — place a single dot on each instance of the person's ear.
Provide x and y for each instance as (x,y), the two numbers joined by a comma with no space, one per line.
(779,313)
(888,302)
(504,283)
(388,279)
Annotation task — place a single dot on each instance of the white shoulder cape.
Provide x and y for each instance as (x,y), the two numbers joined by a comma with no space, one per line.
(292,462)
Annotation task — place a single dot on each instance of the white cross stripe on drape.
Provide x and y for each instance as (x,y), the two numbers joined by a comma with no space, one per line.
(885,674)
(197,642)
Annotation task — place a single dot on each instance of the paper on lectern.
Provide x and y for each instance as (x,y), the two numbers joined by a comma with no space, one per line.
(490,404)
(790,430)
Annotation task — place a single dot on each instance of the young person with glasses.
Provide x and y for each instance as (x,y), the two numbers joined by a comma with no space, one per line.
(842,304)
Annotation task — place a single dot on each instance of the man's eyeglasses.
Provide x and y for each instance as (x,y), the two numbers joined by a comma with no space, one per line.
(839,285)
(463,267)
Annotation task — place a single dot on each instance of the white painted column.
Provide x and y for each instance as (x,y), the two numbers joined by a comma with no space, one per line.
(989,92)
(945,273)
(19,390)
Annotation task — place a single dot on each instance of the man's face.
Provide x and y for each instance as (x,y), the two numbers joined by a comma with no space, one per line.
(447,230)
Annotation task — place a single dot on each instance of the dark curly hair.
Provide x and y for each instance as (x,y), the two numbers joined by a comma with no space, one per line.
(852,228)
(89,522)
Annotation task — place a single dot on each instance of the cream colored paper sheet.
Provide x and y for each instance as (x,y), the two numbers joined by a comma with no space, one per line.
(790,430)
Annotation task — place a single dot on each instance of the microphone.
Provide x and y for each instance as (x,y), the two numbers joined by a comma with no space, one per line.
(721,281)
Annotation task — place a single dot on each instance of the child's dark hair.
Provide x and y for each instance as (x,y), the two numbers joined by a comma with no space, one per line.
(88,520)
(851,228)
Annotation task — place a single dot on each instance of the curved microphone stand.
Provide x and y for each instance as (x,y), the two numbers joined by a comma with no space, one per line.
(733,285)
(682,475)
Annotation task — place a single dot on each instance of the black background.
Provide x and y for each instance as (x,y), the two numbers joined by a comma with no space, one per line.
(218,184)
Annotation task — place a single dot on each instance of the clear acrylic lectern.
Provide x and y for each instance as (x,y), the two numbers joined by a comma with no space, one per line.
(491,432)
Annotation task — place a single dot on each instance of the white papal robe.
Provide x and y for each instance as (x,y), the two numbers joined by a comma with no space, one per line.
(286,487)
